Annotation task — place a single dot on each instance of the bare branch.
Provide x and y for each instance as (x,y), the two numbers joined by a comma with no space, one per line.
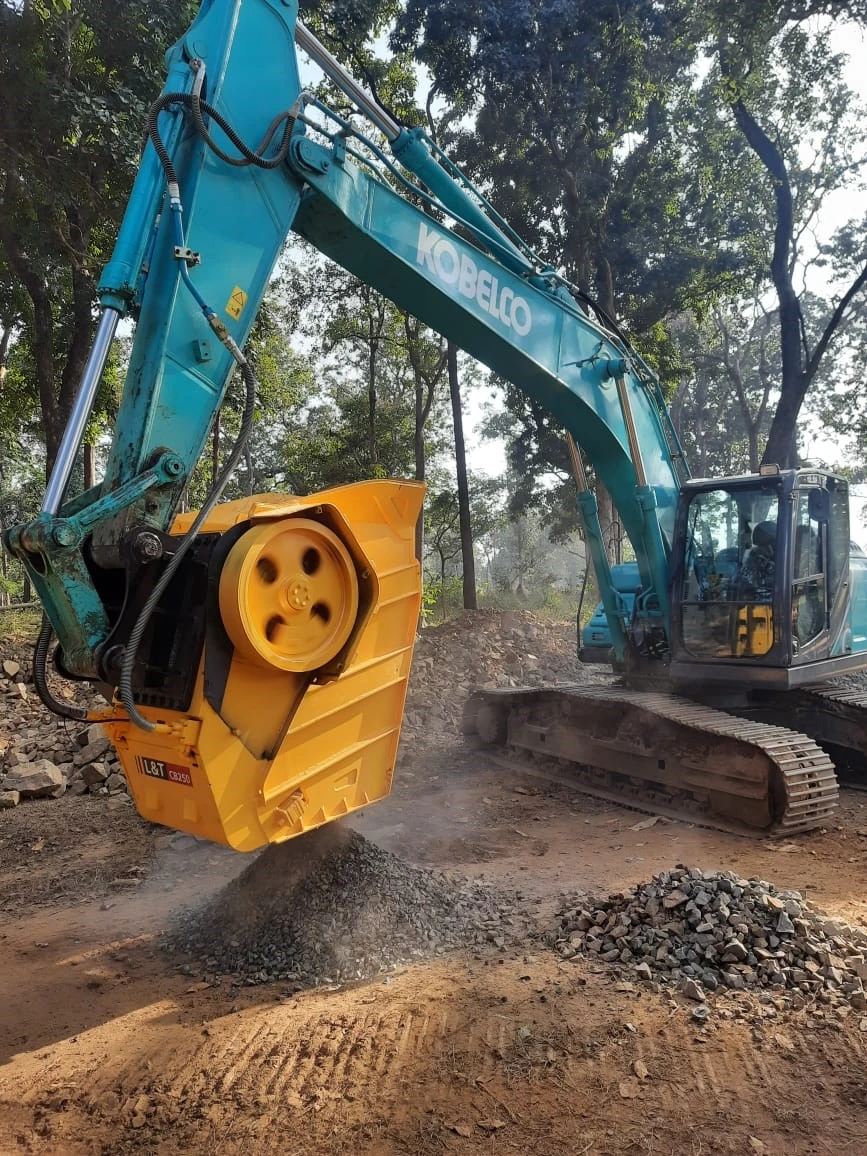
(836,317)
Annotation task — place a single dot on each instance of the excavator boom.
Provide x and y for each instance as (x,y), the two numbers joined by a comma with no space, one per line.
(260,649)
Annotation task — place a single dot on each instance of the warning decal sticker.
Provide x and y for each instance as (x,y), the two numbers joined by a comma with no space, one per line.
(237,301)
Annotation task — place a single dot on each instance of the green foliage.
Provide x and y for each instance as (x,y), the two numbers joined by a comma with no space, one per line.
(77,79)
(378,377)
(442,519)
(777,78)
(21,474)
(564,113)
(286,386)
(20,626)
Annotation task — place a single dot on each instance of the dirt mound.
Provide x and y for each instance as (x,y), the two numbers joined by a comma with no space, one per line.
(483,649)
(334,906)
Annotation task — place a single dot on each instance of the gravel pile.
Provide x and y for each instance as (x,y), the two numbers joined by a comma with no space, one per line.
(707,930)
(485,648)
(332,906)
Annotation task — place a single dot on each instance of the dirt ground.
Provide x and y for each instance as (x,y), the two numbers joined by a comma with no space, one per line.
(106,1047)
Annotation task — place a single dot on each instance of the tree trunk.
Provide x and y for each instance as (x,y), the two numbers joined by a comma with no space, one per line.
(89,466)
(215,447)
(781,447)
(608,522)
(420,464)
(371,395)
(468,561)
(4,349)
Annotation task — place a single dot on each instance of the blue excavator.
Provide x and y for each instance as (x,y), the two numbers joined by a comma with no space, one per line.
(255,654)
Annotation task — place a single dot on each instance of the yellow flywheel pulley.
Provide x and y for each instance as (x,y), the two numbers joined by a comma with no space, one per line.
(289,594)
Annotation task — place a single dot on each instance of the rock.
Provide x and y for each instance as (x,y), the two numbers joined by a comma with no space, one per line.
(115,782)
(11,667)
(639,1069)
(78,787)
(36,780)
(93,774)
(643,971)
(734,952)
(92,752)
(785,925)
(674,899)
(692,990)
(9,799)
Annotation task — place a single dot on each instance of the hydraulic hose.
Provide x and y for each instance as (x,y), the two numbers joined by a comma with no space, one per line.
(197,106)
(40,677)
(125,688)
(193,102)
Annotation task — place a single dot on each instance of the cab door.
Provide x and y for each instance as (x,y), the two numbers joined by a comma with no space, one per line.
(820,540)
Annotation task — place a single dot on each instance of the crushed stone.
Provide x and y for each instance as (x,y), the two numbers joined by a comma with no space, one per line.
(331,906)
(703,931)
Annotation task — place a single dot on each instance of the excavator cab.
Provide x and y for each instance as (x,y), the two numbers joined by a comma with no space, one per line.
(761,580)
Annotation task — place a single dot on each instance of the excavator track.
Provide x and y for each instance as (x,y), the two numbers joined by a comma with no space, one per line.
(662,753)
(833,714)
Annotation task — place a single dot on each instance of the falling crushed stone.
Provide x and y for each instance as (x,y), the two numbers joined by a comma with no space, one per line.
(332,906)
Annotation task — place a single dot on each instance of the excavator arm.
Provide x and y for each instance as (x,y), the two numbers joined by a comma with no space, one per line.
(260,649)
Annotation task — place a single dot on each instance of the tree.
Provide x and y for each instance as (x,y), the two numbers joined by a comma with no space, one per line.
(445,548)
(570,117)
(777,75)
(426,355)
(20,486)
(723,406)
(77,80)
(378,407)
(465,515)
(280,439)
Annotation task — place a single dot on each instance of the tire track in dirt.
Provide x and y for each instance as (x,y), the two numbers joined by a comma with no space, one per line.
(719,1074)
(351,1072)
(279,1060)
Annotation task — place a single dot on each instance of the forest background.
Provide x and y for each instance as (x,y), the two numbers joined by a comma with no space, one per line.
(698,166)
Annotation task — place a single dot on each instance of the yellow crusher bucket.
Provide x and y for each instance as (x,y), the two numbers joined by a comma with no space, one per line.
(319,598)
